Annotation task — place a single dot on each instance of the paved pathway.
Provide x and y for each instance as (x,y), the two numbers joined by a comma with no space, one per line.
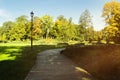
(51,65)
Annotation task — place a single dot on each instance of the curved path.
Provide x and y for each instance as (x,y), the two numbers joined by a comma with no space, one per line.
(51,65)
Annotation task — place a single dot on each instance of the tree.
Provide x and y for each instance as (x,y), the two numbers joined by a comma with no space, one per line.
(90,33)
(109,33)
(85,19)
(111,13)
(18,32)
(46,25)
(61,27)
(5,30)
(64,28)
(37,28)
(85,22)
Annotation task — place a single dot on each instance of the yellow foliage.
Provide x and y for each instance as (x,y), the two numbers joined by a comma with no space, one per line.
(110,31)
(58,22)
(110,10)
(37,26)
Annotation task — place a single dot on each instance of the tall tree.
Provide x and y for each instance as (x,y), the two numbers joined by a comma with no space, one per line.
(46,25)
(65,29)
(111,13)
(61,25)
(109,33)
(85,22)
(37,28)
(18,31)
(5,30)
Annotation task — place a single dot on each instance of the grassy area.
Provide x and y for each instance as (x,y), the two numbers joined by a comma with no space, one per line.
(102,61)
(17,59)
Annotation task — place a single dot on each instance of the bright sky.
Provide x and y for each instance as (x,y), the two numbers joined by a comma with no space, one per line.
(11,9)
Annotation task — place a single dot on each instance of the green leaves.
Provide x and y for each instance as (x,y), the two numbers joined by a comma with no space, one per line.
(47,24)
(46,27)
(85,26)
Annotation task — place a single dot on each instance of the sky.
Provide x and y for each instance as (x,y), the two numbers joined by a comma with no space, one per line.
(11,9)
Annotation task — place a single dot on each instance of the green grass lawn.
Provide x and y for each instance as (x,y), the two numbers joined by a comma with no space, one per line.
(17,59)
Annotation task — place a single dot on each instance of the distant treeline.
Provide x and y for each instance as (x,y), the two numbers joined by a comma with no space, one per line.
(46,27)
(64,29)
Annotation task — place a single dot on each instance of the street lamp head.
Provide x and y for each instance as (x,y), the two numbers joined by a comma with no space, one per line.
(32,14)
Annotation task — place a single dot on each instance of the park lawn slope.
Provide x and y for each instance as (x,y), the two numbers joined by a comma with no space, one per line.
(102,61)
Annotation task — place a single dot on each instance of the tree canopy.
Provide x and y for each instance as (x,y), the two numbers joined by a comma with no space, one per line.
(64,28)
(111,14)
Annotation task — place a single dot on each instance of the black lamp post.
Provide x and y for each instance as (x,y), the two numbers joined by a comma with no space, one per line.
(31,14)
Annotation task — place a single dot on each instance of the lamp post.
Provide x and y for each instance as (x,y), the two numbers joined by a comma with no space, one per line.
(31,14)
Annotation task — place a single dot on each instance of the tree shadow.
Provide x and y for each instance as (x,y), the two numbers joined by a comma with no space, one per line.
(18,60)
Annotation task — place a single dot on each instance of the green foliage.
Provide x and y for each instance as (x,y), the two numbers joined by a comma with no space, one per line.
(85,26)
(45,27)
(47,24)
(5,30)
(64,29)
(85,19)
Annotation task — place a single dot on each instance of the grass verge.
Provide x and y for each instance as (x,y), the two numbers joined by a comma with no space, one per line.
(17,60)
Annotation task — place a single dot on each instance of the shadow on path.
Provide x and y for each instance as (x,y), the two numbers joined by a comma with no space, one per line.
(51,65)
